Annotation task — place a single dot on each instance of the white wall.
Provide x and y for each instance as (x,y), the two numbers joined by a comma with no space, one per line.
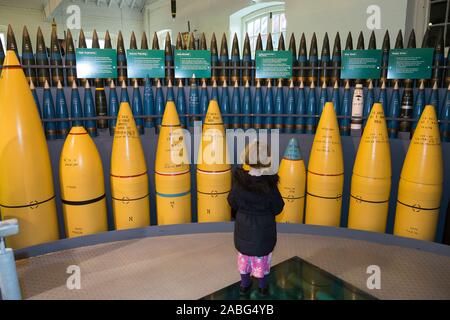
(30,13)
(20,12)
(307,16)
(104,18)
(206,16)
(322,16)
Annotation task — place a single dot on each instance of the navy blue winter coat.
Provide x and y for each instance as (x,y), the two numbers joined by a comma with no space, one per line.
(255,201)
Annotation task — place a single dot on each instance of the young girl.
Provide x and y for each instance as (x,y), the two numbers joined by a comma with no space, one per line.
(255,201)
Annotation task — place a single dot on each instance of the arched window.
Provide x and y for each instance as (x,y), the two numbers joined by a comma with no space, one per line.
(270,20)
(439,20)
(261,17)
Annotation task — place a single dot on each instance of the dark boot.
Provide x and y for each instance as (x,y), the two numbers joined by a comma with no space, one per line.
(244,290)
(246,284)
(264,291)
(263,286)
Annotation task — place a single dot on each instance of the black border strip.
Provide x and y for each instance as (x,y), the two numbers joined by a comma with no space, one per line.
(325,175)
(170,125)
(128,177)
(210,193)
(418,208)
(128,200)
(368,201)
(11,67)
(83,203)
(328,198)
(28,205)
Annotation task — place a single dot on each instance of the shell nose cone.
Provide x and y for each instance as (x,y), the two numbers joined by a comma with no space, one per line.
(125,107)
(78,130)
(292,150)
(11,59)
(423,163)
(213,115)
(170,115)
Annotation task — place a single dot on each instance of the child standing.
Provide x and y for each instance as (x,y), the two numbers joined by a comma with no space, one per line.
(255,201)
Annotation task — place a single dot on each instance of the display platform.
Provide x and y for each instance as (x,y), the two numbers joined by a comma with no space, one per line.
(190,261)
(295,279)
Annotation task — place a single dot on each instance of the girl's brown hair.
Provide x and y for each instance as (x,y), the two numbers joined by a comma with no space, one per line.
(253,153)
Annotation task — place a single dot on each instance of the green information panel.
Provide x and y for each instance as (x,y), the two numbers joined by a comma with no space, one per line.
(145,63)
(273,64)
(96,63)
(361,64)
(410,63)
(192,62)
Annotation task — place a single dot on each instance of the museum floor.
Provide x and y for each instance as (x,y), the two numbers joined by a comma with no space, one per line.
(192,266)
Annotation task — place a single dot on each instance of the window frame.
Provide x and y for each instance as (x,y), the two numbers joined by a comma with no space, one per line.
(445,24)
(276,9)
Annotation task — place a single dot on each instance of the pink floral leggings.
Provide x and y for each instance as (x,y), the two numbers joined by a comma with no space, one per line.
(256,266)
